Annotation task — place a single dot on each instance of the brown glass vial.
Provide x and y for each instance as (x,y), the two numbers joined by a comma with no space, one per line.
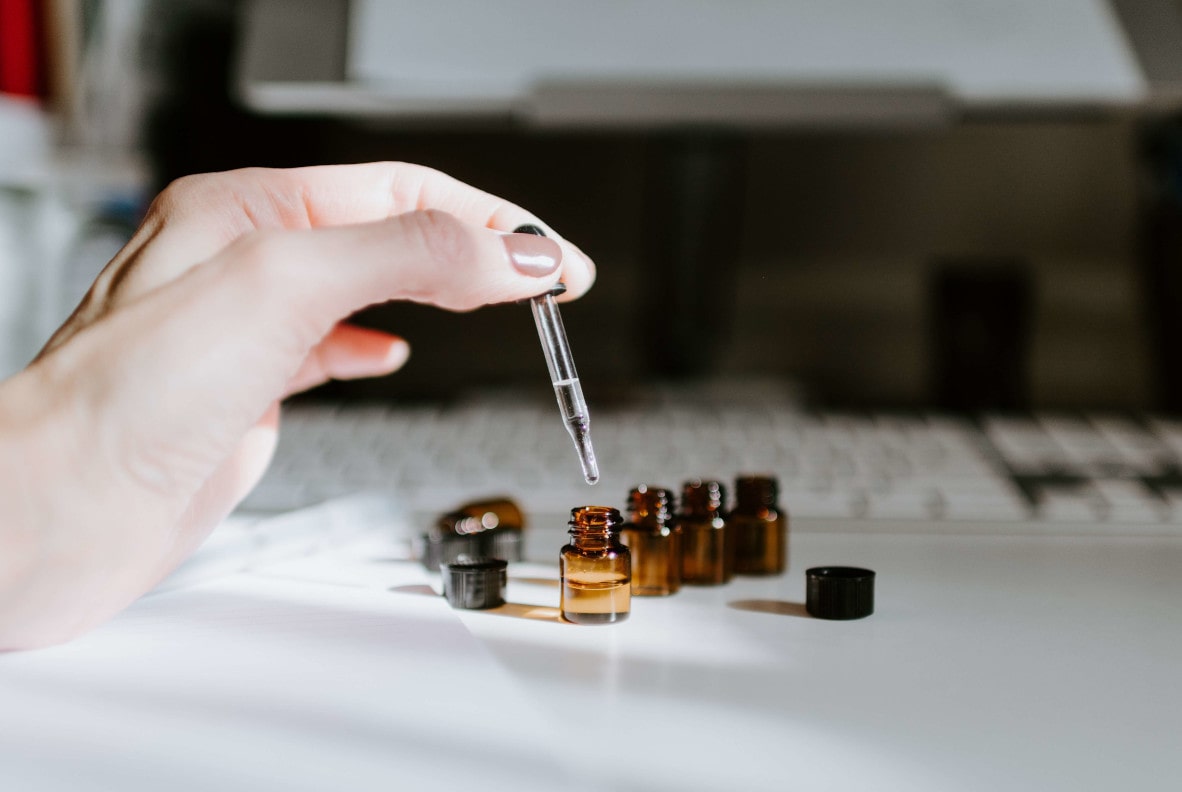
(596,569)
(654,541)
(498,512)
(490,528)
(759,528)
(707,554)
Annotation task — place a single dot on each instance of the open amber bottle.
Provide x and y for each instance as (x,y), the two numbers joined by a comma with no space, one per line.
(596,569)
(655,543)
(759,527)
(707,554)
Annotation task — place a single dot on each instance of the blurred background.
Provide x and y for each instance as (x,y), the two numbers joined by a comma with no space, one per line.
(904,204)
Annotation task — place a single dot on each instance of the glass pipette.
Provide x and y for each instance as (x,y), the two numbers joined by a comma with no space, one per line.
(565,379)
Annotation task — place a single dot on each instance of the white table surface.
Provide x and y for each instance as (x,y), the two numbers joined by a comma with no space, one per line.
(991,663)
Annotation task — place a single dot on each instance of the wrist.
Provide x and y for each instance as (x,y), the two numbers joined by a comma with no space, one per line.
(42,548)
(25,460)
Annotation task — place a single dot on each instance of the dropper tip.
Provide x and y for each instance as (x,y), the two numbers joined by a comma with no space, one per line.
(582,437)
(590,466)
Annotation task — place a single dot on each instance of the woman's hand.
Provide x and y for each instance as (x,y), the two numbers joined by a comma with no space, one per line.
(154,409)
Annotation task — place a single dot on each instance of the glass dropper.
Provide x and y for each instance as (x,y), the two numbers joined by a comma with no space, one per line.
(563,376)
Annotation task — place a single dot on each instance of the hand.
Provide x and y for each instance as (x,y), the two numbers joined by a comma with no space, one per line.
(154,409)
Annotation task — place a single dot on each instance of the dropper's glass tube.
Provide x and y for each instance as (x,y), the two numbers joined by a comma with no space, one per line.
(563,376)
(565,379)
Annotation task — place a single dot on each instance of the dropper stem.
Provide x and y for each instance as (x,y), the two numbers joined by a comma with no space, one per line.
(567,389)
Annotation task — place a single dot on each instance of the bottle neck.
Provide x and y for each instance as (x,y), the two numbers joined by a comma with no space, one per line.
(650,507)
(755,494)
(593,542)
(703,500)
(594,527)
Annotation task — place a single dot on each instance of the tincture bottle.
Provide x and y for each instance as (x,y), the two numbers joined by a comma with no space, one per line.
(480,529)
(760,529)
(707,553)
(654,542)
(503,523)
(596,569)
(498,512)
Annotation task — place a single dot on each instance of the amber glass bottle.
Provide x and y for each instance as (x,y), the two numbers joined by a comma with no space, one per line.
(480,529)
(503,526)
(654,541)
(596,569)
(707,554)
(492,513)
(760,529)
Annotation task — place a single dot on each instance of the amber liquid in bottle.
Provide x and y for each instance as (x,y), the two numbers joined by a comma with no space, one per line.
(596,568)
(707,554)
(654,541)
(760,528)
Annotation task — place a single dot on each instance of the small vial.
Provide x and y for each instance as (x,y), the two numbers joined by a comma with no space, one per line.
(707,553)
(596,569)
(654,542)
(481,529)
(500,512)
(503,524)
(760,529)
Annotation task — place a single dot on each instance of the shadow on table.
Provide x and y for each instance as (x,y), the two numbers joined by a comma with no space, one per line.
(518,610)
(535,581)
(515,610)
(415,588)
(778,607)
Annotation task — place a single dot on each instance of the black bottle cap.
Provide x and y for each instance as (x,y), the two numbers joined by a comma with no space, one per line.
(839,592)
(475,584)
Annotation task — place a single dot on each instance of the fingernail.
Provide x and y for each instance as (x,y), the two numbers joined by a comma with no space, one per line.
(397,354)
(532,255)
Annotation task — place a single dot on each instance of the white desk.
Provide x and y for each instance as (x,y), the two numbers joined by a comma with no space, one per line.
(991,663)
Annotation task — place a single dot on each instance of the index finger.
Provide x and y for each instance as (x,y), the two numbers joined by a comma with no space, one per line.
(202,214)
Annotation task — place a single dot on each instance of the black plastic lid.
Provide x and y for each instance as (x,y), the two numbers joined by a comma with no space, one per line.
(839,592)
(475,584)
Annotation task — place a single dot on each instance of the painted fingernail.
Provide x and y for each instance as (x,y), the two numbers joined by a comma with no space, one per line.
(532,255)
(397,354)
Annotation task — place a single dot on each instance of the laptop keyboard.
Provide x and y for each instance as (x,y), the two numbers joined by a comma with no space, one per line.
(1095,473)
